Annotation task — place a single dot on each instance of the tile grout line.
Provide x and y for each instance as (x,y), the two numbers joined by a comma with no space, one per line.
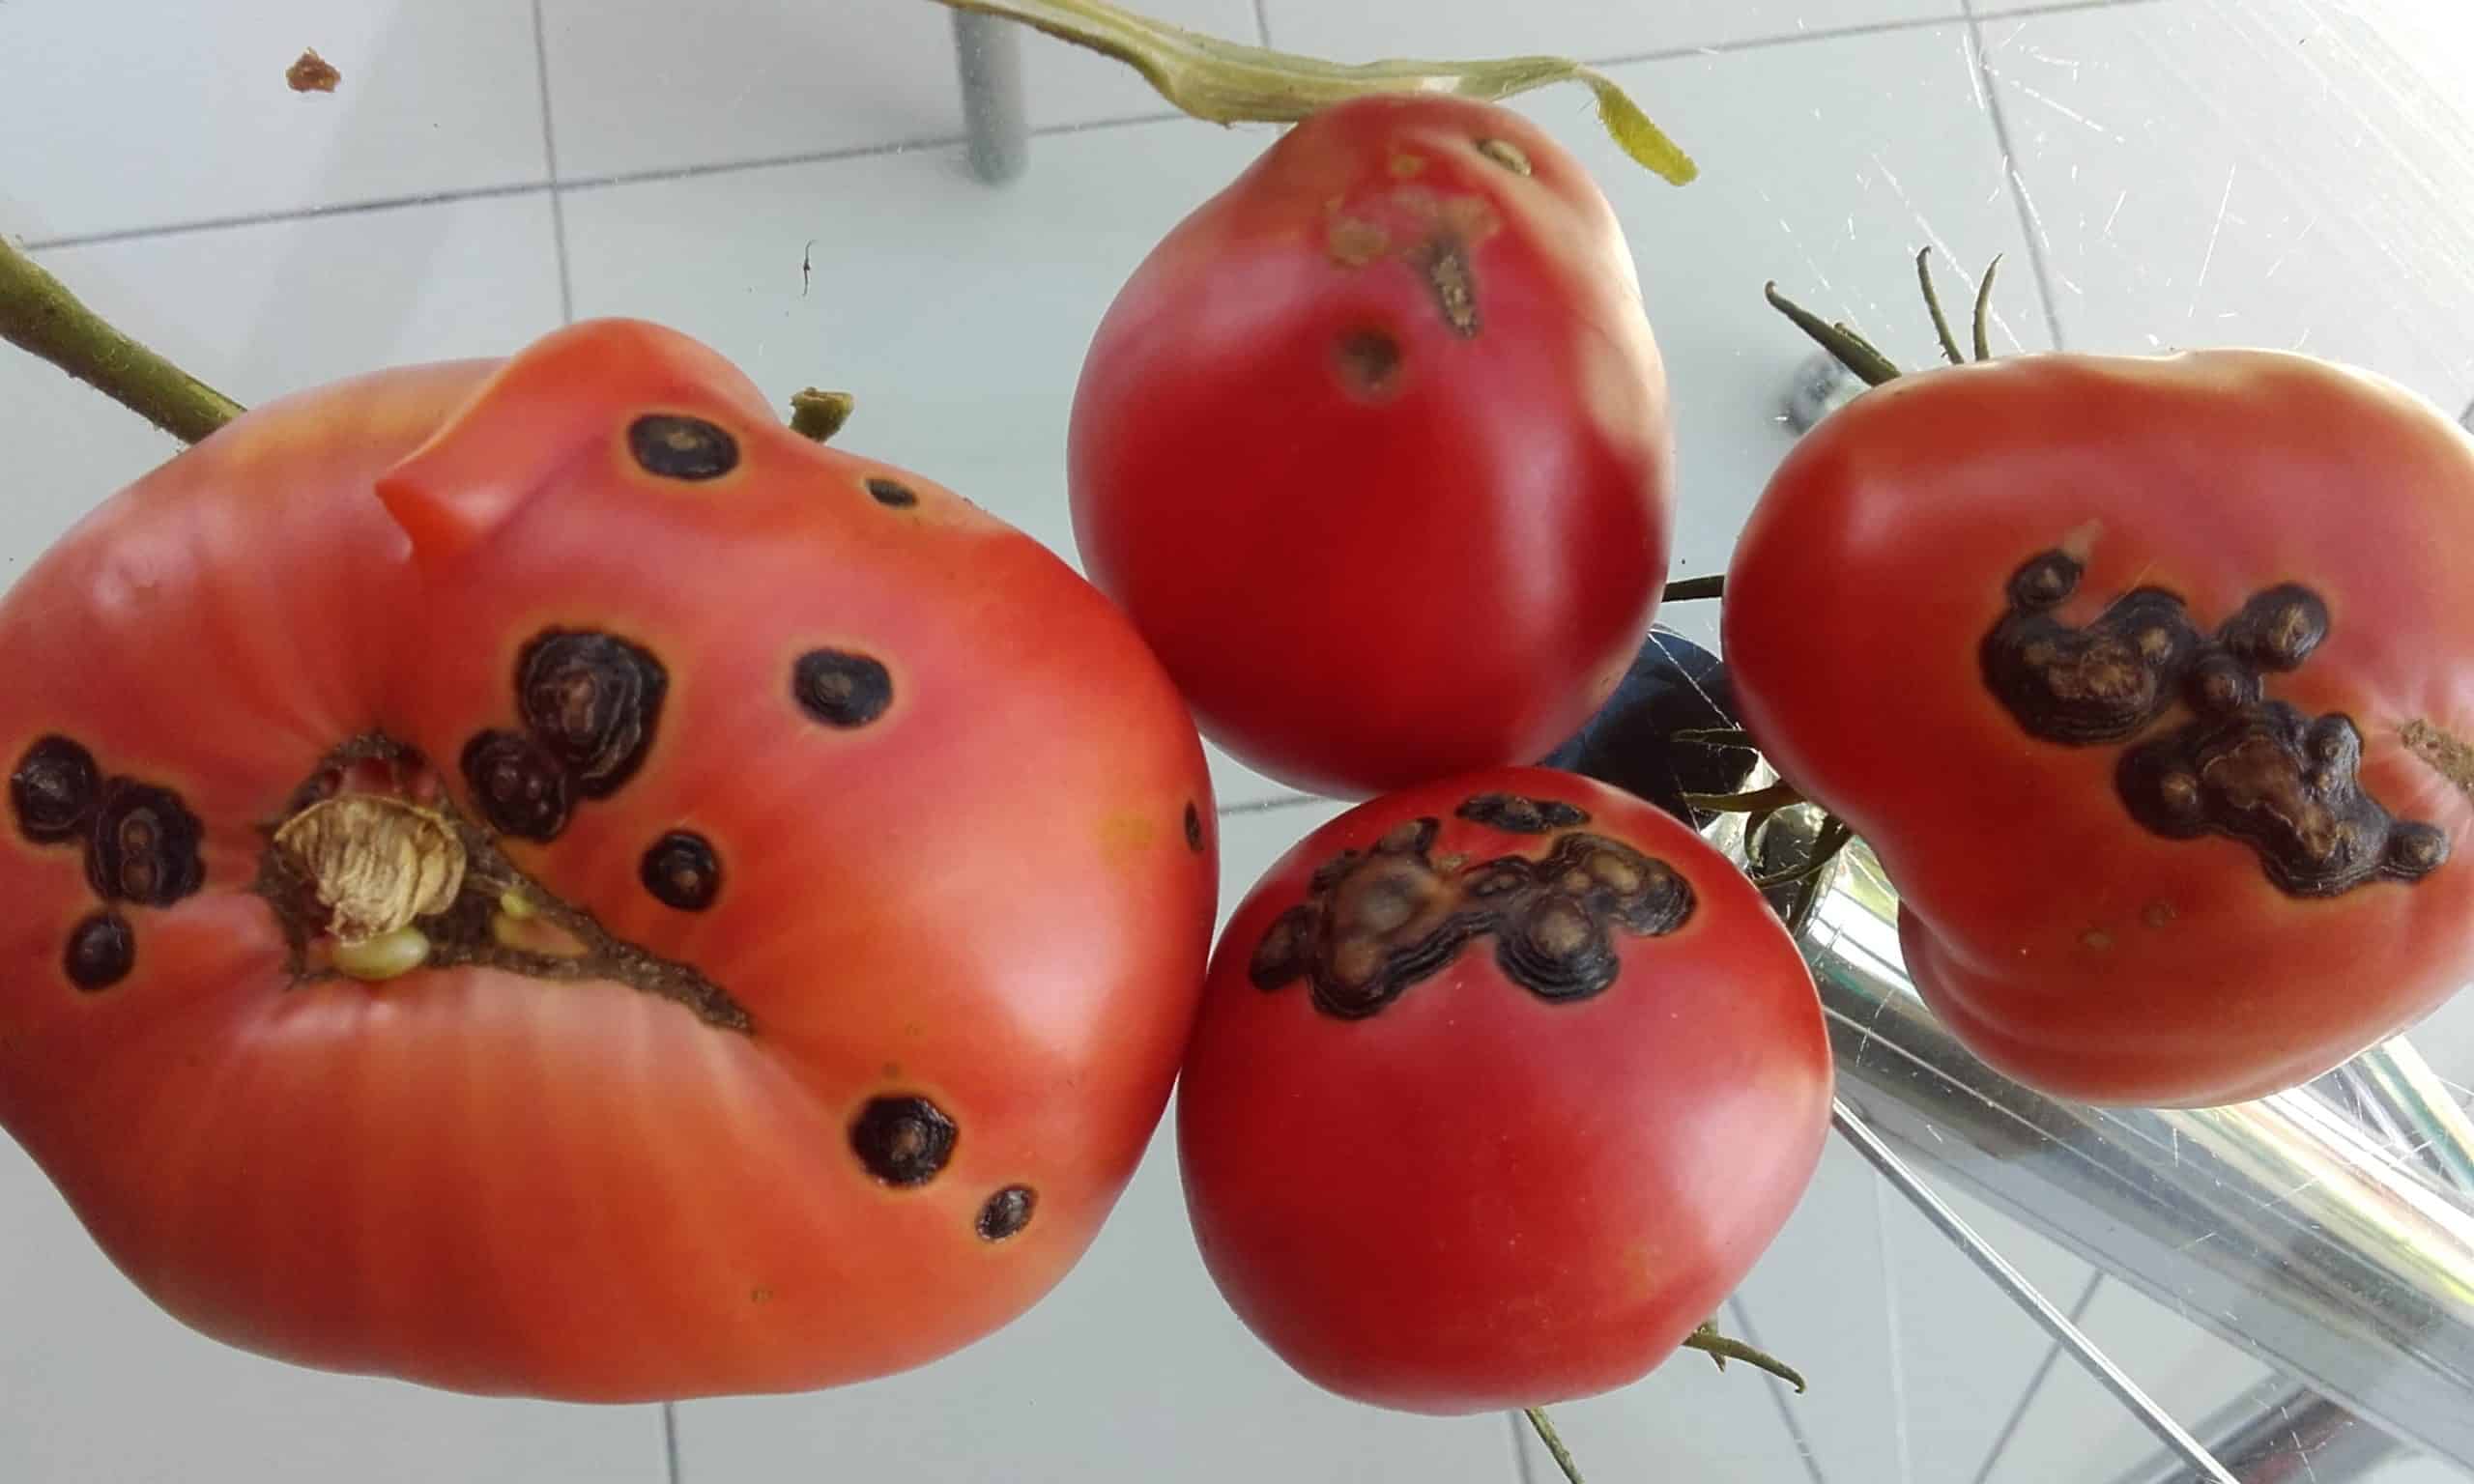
(1270,806)
(1889,1316)
(2036,1383)
(1263,24)
(550,158)
(1520,1447)
(2014,181)
(670,1440)
(1743,1313)
(657,175)
(2466,418)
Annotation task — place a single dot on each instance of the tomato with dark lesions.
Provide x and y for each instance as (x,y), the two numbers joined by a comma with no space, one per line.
(1374,448)
(1502,1084)
(521,878)
(2150,681)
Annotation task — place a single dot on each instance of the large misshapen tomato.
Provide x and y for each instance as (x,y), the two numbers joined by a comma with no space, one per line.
(837,881)
(1374,448)
(1502,1084)
(2147,681)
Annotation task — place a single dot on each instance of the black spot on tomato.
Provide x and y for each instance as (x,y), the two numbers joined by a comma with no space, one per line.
(142,846)
(2277,630)
(841,689)
(103,948)
(1378,923)
(54,790)
(676,446)
(1514,814)
(1006,1212)
(2100,683)
(903,1140)
(1368,359)
(682,871)
(892,493)
(591,700)
(1194,828)
(516,785)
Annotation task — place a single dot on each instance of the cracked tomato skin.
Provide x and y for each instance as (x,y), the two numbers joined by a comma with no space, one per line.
(1374,447)
(1502,1084)
(979,878)
(2142,676)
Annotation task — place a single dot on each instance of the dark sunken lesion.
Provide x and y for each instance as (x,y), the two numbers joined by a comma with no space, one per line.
(1380,921)
(2238,764)
(672,445)
(54,789)
(903,1140)
(1006,1212)
(591,700)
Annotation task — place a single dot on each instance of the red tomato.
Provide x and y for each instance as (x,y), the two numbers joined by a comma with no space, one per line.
(779,1033)
(1374,448)
(2145,680)
(1501,1085)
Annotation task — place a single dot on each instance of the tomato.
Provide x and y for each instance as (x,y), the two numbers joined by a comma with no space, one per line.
(1374,448)
(1501,1085)
(802,882)
(2149,682)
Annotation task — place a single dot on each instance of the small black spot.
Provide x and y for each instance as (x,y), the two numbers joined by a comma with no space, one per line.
(675,446)
(903,1141)
(591,700)
(1007,1213)
(1194,829)
(1514,814)
(143,847)
(682,871)
(54,790)
(518,788)
(1369,359)
(841,689)
(892,492)
(2278,629)
(102,951)
(2046,579)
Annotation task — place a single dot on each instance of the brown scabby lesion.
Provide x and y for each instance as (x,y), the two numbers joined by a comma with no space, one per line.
(498,917)
(1378,921)
(2240,764)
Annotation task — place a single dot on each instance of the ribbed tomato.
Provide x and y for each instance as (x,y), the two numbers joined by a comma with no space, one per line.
(795,885)
(2147,679)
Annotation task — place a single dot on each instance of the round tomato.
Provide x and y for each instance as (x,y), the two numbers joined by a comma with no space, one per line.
(2147,681)
(797,887)
(1501,1085)
(1374,448)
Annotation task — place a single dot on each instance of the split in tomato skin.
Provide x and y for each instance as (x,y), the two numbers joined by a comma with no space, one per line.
(757,1022)
(2148,680)
(1501,1085)
(1374,447)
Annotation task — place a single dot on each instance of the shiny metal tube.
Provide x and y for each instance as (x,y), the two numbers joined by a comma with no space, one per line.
(2299,1437)
(2281,1226)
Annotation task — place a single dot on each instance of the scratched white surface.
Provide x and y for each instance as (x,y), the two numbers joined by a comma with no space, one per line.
(2155,172)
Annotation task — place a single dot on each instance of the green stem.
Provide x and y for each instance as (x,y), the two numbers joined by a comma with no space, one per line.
(39,313)
(1853,351)
(1548,1435)
(1984,311)
(1722,1349)
(1775,796)
(1227,82)
(819,414)
(1933,301)
(1684,589)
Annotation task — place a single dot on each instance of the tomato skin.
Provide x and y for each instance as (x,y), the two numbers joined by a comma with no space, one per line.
(1476,1197)
(2068,944)
(492,1182)
(1360,590)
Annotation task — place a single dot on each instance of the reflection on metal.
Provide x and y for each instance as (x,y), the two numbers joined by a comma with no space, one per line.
(2291,1438)
(2024,1292)
(2283,1226)
(989,52)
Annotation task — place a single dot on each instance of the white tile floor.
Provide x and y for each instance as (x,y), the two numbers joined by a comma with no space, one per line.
(2204,171)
